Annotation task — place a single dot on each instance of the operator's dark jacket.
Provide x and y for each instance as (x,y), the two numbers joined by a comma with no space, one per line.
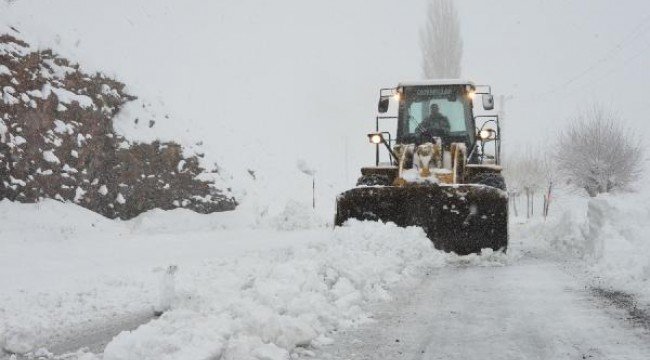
(434,122)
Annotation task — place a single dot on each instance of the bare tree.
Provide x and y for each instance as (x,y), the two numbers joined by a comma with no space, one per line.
(526,175)
(441,42)
(598,154)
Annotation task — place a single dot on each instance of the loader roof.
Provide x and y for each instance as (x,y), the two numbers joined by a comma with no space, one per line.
(434,82)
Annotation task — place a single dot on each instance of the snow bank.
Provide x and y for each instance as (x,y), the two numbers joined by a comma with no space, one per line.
(47,251)
(297,216)
(263,293)
(272,304)
(66,269)
(610,233)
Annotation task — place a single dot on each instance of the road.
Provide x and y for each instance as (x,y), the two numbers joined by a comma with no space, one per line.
(532,309)
(535,307)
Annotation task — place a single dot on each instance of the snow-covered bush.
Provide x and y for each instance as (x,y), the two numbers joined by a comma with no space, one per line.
(598,154)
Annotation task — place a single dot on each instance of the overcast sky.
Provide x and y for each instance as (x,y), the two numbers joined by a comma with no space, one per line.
(304,75)
(552,58)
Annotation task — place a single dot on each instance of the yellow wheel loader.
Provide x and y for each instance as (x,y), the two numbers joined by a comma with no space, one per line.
(443,168)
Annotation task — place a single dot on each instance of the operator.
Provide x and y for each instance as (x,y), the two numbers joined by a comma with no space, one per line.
(435,123)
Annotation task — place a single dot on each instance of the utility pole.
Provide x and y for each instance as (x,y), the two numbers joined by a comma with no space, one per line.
(347,159)
(502,116)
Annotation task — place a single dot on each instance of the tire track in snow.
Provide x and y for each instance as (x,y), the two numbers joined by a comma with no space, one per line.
(626,302)
(531,309)
(93,338)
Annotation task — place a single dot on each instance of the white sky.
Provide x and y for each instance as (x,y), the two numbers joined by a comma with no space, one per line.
(303,76)
(552,58)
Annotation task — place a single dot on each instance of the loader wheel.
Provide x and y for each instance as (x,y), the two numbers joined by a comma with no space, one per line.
(489,179)
(373,180)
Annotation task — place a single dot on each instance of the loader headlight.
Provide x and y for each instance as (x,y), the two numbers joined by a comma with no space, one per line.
(376,138)
(471,94)
(487,134)
(398,94)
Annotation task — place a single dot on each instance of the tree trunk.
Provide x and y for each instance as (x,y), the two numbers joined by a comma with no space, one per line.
(527,209)
(532,203)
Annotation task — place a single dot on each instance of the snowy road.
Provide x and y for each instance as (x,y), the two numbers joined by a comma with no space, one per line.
(528,310)
(276,294)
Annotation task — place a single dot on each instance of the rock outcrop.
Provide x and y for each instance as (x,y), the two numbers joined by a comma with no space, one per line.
(57,141)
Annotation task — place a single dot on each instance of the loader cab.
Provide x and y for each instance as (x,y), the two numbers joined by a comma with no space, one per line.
(453,104)
(454,101)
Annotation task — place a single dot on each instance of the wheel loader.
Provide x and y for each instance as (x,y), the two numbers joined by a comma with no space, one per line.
(442,170)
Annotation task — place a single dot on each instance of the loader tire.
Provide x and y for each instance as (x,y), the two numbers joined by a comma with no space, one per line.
(489,179)
(373,180)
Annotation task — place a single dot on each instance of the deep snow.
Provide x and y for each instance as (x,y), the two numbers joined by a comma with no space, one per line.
(235,287)
(273,276)
(261,287)
(65,268)
(231,289)
(608,234)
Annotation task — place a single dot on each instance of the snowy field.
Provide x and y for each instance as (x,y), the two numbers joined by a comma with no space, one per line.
(264,291)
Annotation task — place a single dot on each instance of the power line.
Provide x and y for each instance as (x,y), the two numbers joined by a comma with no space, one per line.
(638,30)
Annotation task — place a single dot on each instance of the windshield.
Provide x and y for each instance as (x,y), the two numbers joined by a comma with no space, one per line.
(442,108)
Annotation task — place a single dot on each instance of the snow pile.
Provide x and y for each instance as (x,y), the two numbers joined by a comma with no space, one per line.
(297,215)
(269,305)
(232,290)
(46,250)
(486,258)
(67,271)
(609,232)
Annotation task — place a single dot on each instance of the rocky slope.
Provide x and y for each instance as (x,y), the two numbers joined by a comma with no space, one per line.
(57,141)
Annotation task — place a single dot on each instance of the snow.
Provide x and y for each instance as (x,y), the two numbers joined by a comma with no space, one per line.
(236,286)
(305,168)
(49,156)
(61,127)
(232,107)
(608,233)
(273,277)
(68,97)
(9,99)
(530,309)
(435,82)
(413,175)
(4,70)
(3,130)
(79,194)
(19,140)
(284,299)
(496,168)
(257,291)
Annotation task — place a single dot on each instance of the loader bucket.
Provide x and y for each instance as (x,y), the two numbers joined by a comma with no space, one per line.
(457,218)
